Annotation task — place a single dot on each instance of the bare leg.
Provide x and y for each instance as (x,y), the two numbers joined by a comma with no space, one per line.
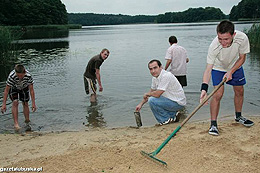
(26,111)
(215,103)
(93,98)
(15,114)
(238,98)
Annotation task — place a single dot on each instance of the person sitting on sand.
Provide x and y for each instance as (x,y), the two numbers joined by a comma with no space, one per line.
(166,96)
(18,85)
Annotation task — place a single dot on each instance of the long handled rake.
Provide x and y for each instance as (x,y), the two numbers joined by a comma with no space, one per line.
(154,153)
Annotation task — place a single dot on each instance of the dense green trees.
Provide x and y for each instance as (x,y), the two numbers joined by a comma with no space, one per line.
(32,12)
(246,9)
(190,15)
(107,19)
(42,12)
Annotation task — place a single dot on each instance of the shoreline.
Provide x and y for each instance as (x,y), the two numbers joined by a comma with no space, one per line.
(236,149)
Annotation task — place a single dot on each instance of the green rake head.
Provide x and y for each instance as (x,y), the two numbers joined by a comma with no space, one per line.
(152,157)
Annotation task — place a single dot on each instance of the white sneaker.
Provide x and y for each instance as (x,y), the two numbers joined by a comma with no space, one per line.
(213,130)
(244,121)
(166,122)
(177,117)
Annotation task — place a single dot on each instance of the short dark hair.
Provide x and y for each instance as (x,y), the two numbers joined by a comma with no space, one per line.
(19,68)
(103,50)
(173,39)
(155,60)
(226,26)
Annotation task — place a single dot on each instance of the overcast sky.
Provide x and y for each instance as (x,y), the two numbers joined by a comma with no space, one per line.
(146,7)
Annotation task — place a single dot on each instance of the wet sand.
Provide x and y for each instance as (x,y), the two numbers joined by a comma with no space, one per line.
(236,149)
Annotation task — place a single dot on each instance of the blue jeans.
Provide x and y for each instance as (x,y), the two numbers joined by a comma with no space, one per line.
(163,108)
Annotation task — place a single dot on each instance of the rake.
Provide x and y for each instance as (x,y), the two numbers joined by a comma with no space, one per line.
(154,153)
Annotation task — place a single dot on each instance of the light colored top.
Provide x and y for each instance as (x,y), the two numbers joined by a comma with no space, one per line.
(223,59)
(178,55)
(168,83)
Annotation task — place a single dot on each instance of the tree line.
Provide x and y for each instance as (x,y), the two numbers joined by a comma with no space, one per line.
(48,12)
(246,9)
(190,15)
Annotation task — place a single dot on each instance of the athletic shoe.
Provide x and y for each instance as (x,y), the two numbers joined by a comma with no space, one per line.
(177,117)
(244,121)
(213,130)
(166,122)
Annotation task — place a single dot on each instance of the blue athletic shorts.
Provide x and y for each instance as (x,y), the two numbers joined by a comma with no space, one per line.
(238,78)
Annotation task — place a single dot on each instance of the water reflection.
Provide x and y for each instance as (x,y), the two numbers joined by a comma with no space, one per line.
(255,58)
(43,45)
(95,116)
(45,33)
(4,71)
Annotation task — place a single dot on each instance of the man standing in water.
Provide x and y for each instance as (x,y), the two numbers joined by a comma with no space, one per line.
(176,56)
(166,96)
(92,74)
(226,55)
(18,85)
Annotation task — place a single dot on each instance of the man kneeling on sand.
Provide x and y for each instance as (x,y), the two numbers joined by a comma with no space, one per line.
(166,96)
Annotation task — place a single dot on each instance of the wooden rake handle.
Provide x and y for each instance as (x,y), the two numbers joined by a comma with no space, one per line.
(204,101)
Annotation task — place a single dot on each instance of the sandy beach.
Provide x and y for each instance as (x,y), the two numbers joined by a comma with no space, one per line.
(236,149)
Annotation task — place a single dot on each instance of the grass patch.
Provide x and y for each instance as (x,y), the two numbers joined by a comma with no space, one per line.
(254,35)
(7,49)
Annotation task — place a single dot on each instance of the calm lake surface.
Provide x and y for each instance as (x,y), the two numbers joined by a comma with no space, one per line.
(57,66)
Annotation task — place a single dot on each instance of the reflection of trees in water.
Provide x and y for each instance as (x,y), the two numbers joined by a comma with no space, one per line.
(43,45)
(4,71)
(255,57)
(95,117)
(36,53)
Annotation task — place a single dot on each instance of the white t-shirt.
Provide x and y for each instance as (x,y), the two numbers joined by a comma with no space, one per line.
(178,55)
(223,59)
(168,83)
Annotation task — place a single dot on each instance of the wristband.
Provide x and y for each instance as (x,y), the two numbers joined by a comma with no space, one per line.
(204,86)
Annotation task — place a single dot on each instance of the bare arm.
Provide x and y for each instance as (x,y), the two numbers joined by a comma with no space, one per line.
(207,73)
(168,63)
(99,80)
(6,91)
(32,97)
(153,93)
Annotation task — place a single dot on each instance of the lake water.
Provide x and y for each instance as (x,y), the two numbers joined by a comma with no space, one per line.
(57,66)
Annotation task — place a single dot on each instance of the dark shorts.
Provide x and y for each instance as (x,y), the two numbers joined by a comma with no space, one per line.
(238,78)
(22,95)
(182,80)
(90,85)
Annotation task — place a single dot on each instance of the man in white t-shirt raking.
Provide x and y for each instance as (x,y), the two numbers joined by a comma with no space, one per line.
(166,96)
(176,56)
(226,55)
